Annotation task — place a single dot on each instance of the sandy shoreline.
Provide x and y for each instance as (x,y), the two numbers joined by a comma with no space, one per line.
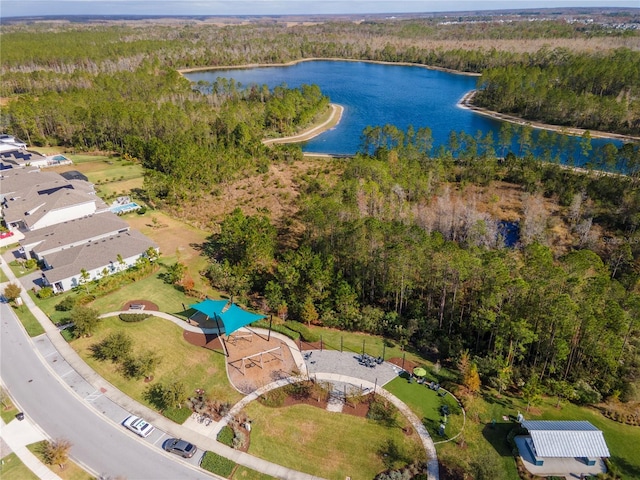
(329,59)
(332,121)
(466,102)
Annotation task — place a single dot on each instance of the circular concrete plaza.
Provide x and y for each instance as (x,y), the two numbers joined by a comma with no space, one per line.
(347,364)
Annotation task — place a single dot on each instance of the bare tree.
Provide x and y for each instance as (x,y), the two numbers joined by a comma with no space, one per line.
(534,222)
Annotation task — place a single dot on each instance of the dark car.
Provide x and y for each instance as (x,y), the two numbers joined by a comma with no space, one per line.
(180,447)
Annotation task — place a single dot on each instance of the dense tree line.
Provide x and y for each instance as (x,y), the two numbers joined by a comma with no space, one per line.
(597,92)
(389,250)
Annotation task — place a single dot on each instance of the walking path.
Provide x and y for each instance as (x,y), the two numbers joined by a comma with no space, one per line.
(205,436)
(333,120)
(427,442)
(17,435)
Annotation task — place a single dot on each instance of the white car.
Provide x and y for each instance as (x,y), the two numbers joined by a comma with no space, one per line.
(138,426)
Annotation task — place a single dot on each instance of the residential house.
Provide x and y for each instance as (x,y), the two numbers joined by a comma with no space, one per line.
(44,241)
(63,269)
(32,199)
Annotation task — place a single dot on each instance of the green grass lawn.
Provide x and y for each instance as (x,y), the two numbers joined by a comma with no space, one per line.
(196,367)
(426,404)
(12,468)
(326,444)
(3,276)
(168,298)
(153,288)
(19,270)
(71,470)
(7,409)
(244,473)
(30,323)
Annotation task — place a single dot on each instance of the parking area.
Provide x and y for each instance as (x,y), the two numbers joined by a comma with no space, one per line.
(96,398)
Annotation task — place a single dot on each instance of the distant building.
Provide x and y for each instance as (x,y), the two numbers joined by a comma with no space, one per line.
(555,447)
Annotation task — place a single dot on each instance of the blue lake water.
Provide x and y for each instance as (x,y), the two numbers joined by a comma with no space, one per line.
(377,94)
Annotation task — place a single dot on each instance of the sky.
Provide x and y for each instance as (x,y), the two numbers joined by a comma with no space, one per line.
(18,8)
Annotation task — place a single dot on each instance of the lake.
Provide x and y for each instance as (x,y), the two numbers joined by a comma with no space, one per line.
(379,94)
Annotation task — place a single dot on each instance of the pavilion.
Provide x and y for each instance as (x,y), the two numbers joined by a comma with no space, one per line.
(232,316)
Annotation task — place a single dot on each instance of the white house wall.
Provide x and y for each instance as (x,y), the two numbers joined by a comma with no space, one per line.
(96,273)
(65,214)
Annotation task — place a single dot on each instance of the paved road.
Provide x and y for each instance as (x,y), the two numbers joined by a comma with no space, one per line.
(105,447)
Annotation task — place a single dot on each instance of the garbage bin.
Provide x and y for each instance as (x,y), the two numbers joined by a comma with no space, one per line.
(20,416)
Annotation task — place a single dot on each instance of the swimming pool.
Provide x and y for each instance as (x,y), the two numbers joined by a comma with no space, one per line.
(129,207)
(60,159)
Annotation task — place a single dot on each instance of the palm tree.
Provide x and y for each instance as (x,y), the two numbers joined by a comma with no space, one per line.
(121,262)
(84,279)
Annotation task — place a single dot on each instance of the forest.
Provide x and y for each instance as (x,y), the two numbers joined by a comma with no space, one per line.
(395,243)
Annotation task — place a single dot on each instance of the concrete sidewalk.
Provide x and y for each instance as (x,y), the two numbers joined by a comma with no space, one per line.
(17,434)
(205,437)
(204,442)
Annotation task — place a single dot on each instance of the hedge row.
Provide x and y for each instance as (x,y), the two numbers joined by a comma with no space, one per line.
(226,436)
(133,317)
(214,463)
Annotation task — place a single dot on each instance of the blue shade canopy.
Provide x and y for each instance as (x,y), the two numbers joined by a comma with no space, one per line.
(232,316)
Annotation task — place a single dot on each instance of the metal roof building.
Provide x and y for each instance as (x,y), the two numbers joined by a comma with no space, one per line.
(573,439)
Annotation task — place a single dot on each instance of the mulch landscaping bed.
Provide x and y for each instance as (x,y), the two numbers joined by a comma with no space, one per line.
(408,365)
(289,401)
(358,410)
(209,340)
(147,306)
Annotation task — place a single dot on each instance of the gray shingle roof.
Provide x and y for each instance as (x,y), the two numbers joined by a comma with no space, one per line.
(39,205)
(572,439)
(69,262)
(74,231)
(21,181)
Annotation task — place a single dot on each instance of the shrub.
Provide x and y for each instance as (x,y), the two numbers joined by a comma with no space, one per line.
(45,292)
(214,463)
(239,439)
(273,398)
(142,210)
(133,317)
(85,299)
(56,452)
(178,415)
(586,394)
(117,346)
(226,436)
(66,304)
(31,264)
(299,389)
(382,412)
